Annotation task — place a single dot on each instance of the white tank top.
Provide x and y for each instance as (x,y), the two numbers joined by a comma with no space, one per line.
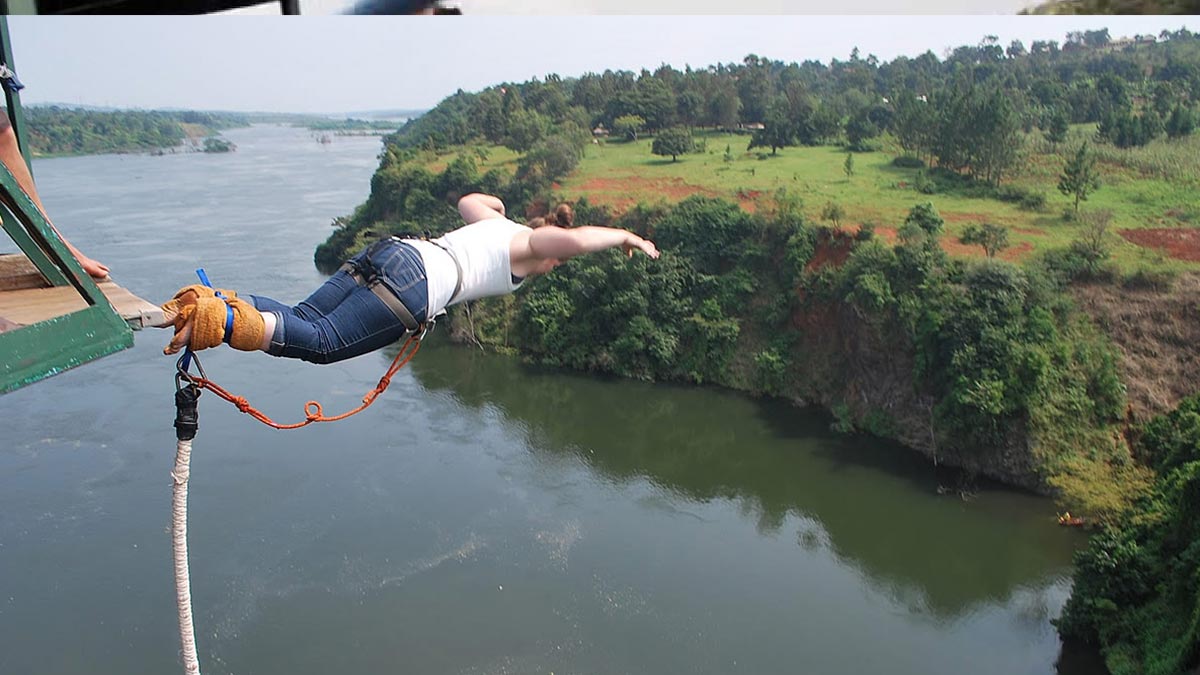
(482,250)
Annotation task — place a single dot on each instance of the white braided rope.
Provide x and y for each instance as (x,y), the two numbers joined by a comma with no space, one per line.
(183,587)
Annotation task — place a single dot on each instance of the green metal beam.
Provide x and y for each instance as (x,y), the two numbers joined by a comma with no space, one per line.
(33,353)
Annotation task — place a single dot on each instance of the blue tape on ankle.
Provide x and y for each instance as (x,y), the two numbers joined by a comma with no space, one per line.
(228,310)
(228,323)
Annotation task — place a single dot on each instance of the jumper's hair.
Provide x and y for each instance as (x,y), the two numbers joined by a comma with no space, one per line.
(563,216)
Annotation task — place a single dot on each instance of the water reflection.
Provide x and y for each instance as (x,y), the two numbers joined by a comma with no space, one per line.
(873,504)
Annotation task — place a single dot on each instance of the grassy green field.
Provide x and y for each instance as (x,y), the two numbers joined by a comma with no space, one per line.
(1153,187)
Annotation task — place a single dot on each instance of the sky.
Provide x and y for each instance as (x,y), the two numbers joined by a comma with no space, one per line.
(336,64)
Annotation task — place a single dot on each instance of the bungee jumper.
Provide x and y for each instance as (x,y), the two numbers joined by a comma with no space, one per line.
(395,287)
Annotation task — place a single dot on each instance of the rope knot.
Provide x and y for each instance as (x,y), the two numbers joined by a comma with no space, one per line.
(312,411)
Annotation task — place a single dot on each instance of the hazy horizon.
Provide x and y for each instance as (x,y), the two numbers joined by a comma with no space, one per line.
(338,64)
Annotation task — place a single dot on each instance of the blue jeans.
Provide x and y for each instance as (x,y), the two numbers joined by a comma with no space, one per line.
(342,319)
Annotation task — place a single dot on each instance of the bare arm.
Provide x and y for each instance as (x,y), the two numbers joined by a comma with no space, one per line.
(476,207)
(557,243)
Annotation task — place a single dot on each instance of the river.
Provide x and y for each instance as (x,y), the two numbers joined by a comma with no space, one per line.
(483,516)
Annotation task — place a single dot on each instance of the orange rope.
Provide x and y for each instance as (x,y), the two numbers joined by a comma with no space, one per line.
(312,409)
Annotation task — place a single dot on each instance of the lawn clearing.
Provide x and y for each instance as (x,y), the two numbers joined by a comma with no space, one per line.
(1151,188)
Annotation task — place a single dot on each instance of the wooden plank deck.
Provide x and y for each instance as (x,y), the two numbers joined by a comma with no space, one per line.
(25,298)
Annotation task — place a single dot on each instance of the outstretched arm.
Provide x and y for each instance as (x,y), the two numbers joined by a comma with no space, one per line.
(551,242)
(476,207)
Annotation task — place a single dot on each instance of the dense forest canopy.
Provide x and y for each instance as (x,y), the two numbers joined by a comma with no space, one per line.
(960,111)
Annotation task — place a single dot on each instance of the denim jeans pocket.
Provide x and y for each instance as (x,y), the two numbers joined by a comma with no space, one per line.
(401,268)
(400,265)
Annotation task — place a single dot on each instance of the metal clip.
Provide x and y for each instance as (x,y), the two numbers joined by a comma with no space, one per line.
(425,328)
(181,368)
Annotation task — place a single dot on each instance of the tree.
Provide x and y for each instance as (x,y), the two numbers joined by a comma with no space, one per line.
(848,165)
(922,219)
(977,130)
(650,98)
(1181,122)
(834,213)
(489,115)
(525,128)
(673,142)
(628,126)
(1093,239)
(755,88)
(993,238)
(551,158)
(1096,38)
(860,128)
(689,106)
(915,125)
(724,107)
(1124,129)
(1057,126)
(1079,177)
(778,130)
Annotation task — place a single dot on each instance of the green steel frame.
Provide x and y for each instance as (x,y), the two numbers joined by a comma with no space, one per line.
(35,352)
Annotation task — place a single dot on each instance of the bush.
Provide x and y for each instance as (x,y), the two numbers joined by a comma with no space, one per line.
(908,162)
(1148,279)
(843,419)
(1028,200)
(1076,263)
(924,184)
(771,369)
(1033,201)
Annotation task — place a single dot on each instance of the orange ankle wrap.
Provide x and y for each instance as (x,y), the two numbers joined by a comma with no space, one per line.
(208,316)
(188,295)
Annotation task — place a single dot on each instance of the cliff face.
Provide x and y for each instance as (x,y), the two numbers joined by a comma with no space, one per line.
(864,371)
(1157,333)
(861,366)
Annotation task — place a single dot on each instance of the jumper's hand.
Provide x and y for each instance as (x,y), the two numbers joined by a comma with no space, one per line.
(175,316)
(183,333)
(643,245)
